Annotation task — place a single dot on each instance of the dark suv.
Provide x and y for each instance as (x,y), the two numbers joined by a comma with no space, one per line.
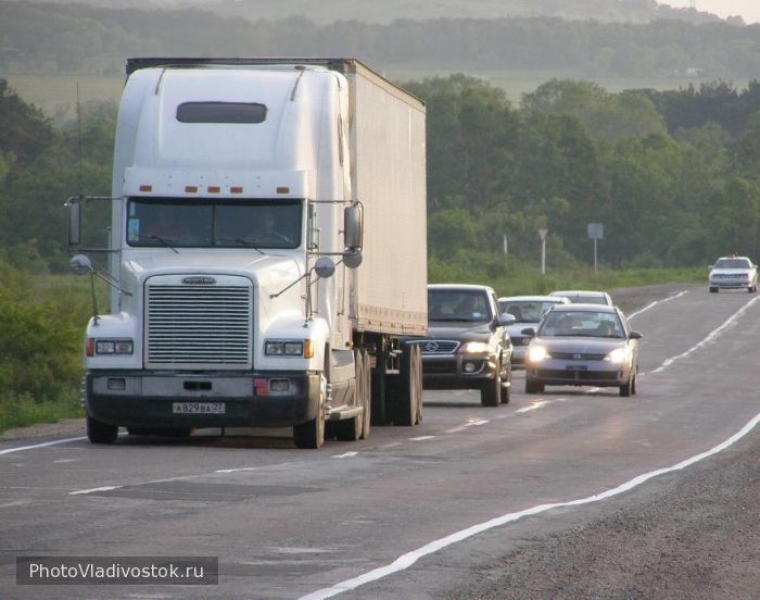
(468,346)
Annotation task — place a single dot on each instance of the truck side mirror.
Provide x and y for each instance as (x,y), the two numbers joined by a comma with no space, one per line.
(73,231)
(353,226)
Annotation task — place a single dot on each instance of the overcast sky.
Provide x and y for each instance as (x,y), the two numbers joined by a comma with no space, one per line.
(749,10)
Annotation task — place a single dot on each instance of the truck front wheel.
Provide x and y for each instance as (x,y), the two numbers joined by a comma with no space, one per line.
(357,427)
(101,433)
(311,435)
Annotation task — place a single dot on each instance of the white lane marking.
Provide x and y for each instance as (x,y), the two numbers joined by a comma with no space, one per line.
(15,503)
(533,406)
(407,560)
(455,429)
(43,445)
(346,455)
(710,337)
(227,471)
(656,302)
(422,438)
(464,426)
(107,488)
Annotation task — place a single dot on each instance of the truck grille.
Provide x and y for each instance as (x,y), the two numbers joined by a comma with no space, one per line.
(192,326)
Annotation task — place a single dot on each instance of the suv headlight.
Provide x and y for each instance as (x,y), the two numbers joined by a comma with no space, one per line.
(475,348)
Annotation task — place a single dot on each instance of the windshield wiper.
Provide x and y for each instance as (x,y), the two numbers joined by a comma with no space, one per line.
(164,242)
(243,242)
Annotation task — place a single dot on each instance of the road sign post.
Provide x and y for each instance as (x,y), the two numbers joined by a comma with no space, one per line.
(542,234)
(595,232)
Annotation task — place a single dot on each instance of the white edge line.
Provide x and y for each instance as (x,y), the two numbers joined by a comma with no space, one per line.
(407,560)
(43,445)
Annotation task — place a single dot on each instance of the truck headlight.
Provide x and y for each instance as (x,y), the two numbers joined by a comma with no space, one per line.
(96,347)
(295,348)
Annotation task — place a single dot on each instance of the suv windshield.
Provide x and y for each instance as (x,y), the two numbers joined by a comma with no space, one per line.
(458,305)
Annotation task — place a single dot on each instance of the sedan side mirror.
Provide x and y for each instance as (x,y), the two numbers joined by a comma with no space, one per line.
(505,319)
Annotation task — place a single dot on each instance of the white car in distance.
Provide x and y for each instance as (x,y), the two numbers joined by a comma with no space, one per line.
(733,273)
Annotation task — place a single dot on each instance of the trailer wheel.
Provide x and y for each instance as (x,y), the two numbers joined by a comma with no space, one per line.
(379,393)
(407,388)
(101,433)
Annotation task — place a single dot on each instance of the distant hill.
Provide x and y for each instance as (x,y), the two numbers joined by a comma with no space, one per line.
(388,11)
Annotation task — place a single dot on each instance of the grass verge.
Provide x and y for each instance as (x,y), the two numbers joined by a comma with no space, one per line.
(22,411)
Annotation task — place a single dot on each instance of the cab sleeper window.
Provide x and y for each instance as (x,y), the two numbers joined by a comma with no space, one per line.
(222,112)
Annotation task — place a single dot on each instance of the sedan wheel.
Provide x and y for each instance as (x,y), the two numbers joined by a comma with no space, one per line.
(533,387)
(629,388)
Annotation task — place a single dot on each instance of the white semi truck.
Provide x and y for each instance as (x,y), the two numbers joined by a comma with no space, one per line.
(267,252)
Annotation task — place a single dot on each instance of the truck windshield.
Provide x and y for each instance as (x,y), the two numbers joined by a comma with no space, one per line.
(179,222)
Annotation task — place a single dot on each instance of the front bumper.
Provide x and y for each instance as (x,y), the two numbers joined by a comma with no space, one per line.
(730,284)
(596,374)
(455,371)
(148,399)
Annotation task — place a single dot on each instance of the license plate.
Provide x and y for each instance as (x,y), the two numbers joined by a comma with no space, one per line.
(196,408)
(576,367)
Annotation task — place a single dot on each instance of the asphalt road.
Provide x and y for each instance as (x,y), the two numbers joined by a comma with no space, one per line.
(573,493)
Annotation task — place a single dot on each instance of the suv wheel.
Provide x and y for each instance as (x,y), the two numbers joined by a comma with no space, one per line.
(490,393)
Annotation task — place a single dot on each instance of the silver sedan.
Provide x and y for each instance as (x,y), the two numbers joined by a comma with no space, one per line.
(583,345)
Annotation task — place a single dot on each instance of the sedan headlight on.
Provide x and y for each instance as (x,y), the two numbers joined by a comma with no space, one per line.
(537,354)
(618,355)
(475,348)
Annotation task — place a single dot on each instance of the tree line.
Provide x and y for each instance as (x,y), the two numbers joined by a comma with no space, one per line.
(671,176)
(75,38)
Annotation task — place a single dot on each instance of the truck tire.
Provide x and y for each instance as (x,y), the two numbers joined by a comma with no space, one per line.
(379,395)
(367,387)
(407,388)
(101,433)
(311,435)
(357,428)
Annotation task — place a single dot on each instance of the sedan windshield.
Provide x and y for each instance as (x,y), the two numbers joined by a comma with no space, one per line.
(582,324)
(526,311)
(732,263)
